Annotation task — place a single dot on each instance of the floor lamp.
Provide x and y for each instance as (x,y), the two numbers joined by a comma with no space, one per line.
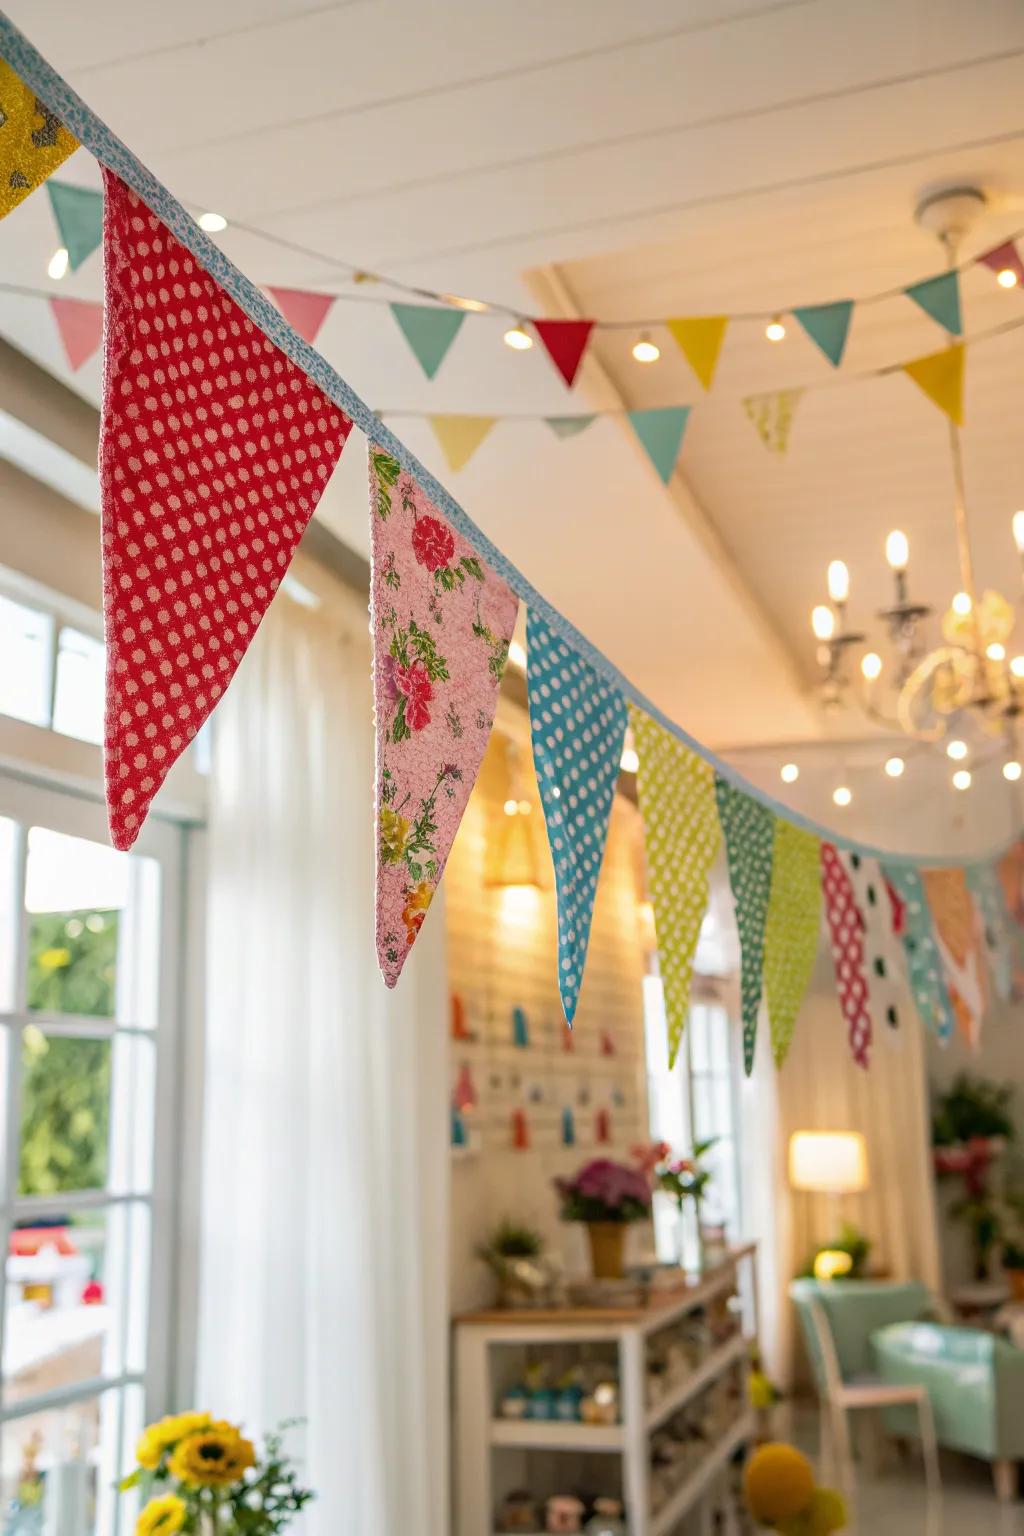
(833,1163)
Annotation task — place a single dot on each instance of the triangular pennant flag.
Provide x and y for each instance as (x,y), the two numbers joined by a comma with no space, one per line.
(33,142)
(661,433)
(749,829)
(791,930)
(880,947)
(207,483)
(941,376)
(565,342)
(305,312)
(828,326)
(676,791)
(1010,874)
(1004,258)
(460,437)
(846,937)
(700,339)
(939,297)
(983,884)
(430,330)
(441,623)
(569,426)
(961,947)
(578,722)
(80,325)
(79,215)
(924,966)
(772,417)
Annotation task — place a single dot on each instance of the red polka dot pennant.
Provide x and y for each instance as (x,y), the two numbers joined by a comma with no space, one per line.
(214,450)
(846,936)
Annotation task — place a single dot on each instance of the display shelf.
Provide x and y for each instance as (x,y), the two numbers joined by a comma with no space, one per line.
(691,1492)
(718,1361)
(555,1435)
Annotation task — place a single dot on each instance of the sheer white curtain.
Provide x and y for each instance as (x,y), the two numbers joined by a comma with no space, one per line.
(323,1259)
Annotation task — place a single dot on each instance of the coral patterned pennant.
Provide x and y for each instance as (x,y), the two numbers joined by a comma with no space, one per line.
(958,932)
(749,829)
(214,450)
(441,623)
(881,963)
(846,936)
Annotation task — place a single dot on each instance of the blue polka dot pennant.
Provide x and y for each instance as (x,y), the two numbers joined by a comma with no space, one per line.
(578,722)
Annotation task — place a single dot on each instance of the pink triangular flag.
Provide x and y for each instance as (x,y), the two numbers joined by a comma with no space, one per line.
(80,324)
(566,342)
(846,937)
(304,311)
(1004,258)
(441,624)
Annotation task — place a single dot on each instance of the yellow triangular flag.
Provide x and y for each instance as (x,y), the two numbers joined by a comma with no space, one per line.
(32,141)
(941,377)
(460,436)
(700,337)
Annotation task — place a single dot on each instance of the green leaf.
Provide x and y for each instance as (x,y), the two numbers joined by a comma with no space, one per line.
(445,578)
(399,730)
(471,565)
(387,470)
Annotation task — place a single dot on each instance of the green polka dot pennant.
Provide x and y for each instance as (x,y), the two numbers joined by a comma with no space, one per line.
(676,790)
(578,722)
(923,961)
(749,829)
(790,930)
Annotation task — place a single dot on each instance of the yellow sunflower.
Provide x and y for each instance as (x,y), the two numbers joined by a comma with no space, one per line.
(213,1457)
(161,1517)
(395,835)
(161,1436)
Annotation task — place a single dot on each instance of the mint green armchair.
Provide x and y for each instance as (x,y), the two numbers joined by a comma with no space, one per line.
(975,1382)
(854,1309)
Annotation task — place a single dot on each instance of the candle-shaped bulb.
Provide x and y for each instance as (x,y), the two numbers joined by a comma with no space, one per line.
(823,622)
(838,581)
(897,551)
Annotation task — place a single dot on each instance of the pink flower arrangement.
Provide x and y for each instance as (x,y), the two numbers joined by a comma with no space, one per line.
(605,1191)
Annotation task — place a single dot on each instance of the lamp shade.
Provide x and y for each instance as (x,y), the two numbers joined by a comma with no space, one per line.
(828,1162)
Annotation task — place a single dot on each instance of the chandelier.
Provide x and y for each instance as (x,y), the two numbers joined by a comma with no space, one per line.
(965,693)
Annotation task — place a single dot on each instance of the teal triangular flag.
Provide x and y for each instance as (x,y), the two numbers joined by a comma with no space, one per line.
(429,330)
(568,426)
(827,325)
(661,433)
(940,298)
(79,215)
(749,831)
(920,942)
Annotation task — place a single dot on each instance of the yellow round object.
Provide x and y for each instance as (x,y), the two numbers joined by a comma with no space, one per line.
(827,1512)
(777,1482)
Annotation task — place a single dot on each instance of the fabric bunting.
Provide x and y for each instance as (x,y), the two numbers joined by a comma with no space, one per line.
(305,312)
(700,339)
(791,930)
(828,326)
(578,723)
(460,437)
(661,434)
(212,460)
(569,426)
(430,330)
(33,142)
(676,791)
(940,376)
(80,327)
(881,950)
(749,829)
(939,297)
(79,215)
(1004,258)
(924,964)
(772,417)
(983,884)
(441,623)
(565,342)
(847,943)
(960,943)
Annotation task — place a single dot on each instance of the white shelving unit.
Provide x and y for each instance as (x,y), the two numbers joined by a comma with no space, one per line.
(479,1433)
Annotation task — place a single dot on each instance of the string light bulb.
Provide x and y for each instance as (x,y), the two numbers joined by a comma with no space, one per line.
(823,622)
(511,807)
(897,550)
(962,604)
(962,779)
(1017,666)
(789,773)
(1012,771)
(1006,278)
(517,654)
(957,750)
(775,330)
(995,651)
(212,223)
(1018,531)
(518,338)
(838,581)
(646,350)
(841,795)
(894,767)
(629,762)
(871,666)
(57,265)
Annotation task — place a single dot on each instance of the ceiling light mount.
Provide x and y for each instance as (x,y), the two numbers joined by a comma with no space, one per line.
(949,212)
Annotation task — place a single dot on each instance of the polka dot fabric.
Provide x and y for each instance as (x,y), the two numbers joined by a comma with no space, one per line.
(923,963)
(881,953)
(676,790)
(214,450)
(578,722)
(749,829)
(791,930)
(846,936)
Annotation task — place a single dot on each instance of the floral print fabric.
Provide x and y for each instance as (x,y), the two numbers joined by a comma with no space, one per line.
(441,622)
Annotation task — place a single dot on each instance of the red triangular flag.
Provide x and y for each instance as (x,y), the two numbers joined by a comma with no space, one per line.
(81,328)
(305,312)
(1004,258)
(846,937)
(214,449)
(566,342)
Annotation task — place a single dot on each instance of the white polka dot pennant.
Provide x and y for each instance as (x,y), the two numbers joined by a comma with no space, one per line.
(791,930)
(749,829)
(882,959)
(578,722)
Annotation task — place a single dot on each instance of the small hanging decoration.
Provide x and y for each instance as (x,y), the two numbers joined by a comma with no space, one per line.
(520,1131)
(602,1127)
(568,1126)
(520,1029)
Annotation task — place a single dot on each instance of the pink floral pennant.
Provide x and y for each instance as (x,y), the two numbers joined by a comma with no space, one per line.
(441,623)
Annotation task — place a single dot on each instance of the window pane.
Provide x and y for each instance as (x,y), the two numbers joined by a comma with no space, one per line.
(10,901)
(719,1025)
(65,1113)
(76,1300)
(700,1047)
(132,1092)
(26,645)
(57,1468)
(78,702)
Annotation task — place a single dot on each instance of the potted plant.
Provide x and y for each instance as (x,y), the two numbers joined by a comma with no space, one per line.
(606,1196)
(514,1253)
(686,1182)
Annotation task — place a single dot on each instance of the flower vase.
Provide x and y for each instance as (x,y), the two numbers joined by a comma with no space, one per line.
(690,1247)
(607,1243)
